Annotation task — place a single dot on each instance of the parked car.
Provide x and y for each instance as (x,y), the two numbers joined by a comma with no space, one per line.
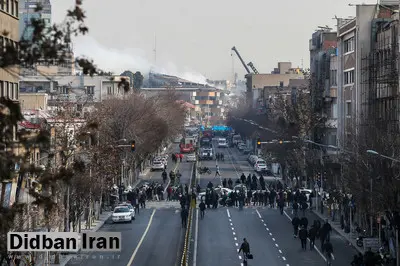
(121,214)
(157,165)
(130,207)
(191,157)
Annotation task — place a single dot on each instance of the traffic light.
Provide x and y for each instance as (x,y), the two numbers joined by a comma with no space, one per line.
(133,145)
(258,143)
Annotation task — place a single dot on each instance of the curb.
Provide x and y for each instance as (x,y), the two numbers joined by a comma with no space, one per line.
(351,242)
(186,246)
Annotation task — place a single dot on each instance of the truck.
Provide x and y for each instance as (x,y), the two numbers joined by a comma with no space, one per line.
(187,145)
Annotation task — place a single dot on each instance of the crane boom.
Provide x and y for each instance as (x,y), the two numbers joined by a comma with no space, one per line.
(241,60)
(253,68)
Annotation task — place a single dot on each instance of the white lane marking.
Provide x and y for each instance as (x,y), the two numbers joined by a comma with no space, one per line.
(259,215)
(270,234)
(273,239)
(229,214)
(233,229)
(283,258)
(230,220)
(196,234)
(280,251)
(276,245)
(234,233)
(319,252)
(237,244)
(237,250)
(265,225)
(235,238)
(240,257)
(141,239)
(262,220)
(267,229)
(231,224)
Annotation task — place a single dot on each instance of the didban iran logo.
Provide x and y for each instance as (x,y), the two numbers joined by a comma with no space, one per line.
(64,241)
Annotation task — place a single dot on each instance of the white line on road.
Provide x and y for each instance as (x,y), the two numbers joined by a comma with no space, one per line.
(267,229)
(283,258)
(231,224)
(235,238)
(259,215)
(319,252)
(273,239)
(196,234)
(237,244)
(265,225)
(240,257)
(276,245)
(233,229)
(229,214)
(270,234)
(280,251)
(141,239)
(234,233)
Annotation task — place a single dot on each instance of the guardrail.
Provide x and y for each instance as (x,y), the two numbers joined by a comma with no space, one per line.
(186,245)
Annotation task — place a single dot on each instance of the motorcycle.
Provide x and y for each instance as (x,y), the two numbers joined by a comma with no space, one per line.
(360,238)
(203,170)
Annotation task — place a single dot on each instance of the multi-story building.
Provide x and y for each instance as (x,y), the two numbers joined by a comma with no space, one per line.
(9,24)
(323,99)
(279,77)
(78,89)
(379,76)
(28,11)
(354,40)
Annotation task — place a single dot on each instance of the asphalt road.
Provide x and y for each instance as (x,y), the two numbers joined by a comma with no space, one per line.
(233,166)
(153,239)
(157,247)
(269,233)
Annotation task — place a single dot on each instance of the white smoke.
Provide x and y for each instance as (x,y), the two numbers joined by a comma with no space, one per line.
(117,61)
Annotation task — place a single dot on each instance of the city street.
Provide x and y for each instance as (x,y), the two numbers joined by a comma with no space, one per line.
(269,233)
(154,238)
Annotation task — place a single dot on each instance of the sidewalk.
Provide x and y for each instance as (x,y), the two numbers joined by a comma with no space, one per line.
(350,237)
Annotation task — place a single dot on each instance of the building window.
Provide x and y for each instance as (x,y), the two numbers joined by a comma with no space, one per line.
(90,90)
(349,77)
(333,77)
(12,86)
(7,93)
(348,108)
(109,91)
(349,45)
(7,6)
(334,111)
(16,91)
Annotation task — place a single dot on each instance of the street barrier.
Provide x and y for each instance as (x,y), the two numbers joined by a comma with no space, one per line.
(192,206)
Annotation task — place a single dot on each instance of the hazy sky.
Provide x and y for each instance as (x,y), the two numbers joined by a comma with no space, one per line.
(195,38)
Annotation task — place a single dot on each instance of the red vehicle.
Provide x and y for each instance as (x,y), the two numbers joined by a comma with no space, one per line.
(187,145)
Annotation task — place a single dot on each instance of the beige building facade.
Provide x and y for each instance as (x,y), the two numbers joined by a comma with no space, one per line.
(9,24)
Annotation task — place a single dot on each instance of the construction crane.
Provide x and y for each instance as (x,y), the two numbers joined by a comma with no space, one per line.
(253,68)
(241,60)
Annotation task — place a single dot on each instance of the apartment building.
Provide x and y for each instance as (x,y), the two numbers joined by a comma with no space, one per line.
(9,24)
(278,78)
(322,47)
(82,90)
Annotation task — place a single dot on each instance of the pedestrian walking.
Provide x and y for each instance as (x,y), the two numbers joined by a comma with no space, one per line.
(324,233)
(312,233)
(184,216)
(303,237)
(295,223)
(245,248)
(202,207)
(217,173)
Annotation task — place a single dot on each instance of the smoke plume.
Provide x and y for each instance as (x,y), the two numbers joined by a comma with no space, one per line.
(118,61)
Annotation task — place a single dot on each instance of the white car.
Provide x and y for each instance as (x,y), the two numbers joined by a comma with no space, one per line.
(157,165)
(219,190)
(130,207)
(222,143)
(121,214)
(259,167)
(191,157)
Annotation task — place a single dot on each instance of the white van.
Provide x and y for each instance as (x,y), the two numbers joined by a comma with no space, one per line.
(222,143)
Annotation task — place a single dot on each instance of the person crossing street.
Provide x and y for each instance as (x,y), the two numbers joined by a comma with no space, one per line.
(217,173)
